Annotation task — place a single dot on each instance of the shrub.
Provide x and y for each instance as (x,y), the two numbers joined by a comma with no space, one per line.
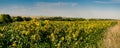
(27,18)
(5,18)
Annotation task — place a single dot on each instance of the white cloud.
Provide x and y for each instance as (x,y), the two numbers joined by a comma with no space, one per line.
(52,9)
(55,4)
(103,2)
(40,8)
(108,2)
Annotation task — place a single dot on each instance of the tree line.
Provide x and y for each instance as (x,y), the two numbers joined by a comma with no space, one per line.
(6,18)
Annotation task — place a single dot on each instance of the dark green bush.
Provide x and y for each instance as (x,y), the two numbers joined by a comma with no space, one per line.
(19,18)
(27,18)
(5,18)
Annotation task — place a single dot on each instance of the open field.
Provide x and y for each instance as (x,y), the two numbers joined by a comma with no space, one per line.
(59,23)
(54,34)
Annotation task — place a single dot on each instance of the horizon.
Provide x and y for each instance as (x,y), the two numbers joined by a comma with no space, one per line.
(65,8)
(61,16)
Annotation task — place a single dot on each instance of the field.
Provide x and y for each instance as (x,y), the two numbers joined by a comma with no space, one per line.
(53,34)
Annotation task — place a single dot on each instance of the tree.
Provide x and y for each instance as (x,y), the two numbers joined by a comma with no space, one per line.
(19,18)
(27,18)
(5,18)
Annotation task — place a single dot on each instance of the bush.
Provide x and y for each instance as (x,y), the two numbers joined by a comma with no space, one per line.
(19,18)
(27,18)
(5,18)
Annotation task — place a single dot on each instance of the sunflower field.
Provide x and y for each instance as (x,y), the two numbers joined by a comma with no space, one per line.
(53,34)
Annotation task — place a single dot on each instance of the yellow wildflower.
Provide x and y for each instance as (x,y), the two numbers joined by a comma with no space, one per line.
(37,23)
(14,44)
(52,35)
(27,32)
(73,35)
(76,43)
(62,38)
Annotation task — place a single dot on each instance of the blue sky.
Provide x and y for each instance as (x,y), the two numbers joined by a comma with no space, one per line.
(65,8)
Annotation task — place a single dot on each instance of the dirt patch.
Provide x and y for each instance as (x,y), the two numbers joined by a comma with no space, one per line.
(112,37)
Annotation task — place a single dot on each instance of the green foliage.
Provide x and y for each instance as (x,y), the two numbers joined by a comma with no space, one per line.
(5,18)
(1,19)
(27,18)
(53,34)
(62,19)
(19,18)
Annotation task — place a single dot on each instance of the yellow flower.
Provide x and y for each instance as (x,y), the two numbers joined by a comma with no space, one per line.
(14,44)
(46,21)
(3,28)
(58,45)
(62,38)
(52,36)
(70,31)
(37,23)
(76,43)
(73,35)
(27,33)
(35,37)
(2,35)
